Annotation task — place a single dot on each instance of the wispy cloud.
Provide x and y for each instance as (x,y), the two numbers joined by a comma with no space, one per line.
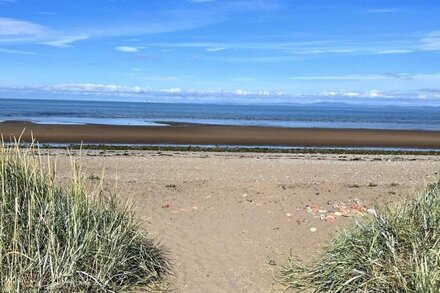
(431,42)
(48,13)
(393,51)
(15,52)
(381,10)
(12,28)
(127,49)
(216,49)
(143,22)
(358,77)
(291,51)
(65,41)
(200,1)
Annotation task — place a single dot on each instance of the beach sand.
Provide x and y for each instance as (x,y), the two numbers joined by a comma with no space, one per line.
(231,220)
(221,135)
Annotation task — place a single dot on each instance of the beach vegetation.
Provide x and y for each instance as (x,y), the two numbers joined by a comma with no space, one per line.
(70,239)
(392,250)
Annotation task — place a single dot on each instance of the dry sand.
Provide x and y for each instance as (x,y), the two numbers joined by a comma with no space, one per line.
(230,220)
(222,135)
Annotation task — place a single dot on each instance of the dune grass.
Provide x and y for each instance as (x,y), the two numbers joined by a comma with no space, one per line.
(394,251)
(56,239)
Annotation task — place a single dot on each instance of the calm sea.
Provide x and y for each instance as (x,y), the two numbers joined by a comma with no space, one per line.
(132,113)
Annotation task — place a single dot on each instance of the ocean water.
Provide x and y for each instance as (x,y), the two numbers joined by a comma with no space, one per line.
(133,113)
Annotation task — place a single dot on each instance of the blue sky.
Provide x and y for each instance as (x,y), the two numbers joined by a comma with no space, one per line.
(270,50)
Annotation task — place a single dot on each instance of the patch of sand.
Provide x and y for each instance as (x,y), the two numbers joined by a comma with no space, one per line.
(231,220)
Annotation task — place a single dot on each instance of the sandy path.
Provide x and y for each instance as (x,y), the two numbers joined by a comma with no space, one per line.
(233,219)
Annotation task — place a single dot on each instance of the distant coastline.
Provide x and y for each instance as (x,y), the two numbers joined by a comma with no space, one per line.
(198,134)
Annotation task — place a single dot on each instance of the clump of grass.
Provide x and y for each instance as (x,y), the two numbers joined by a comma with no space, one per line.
(94,177)
(394,251)
(372,184)
(354,186)
(67,240)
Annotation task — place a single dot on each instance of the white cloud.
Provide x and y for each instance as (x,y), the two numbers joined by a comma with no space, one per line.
(393,51)
(127,49)
(117,92)
(11,27)
(64,42)
(216,49)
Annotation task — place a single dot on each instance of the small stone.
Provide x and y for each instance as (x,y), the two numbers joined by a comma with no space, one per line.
(289,214)
(322,211)
(322,217)
(244,195)
(313,229)
(309,210)
(337,214)
(272,262)
(330,219)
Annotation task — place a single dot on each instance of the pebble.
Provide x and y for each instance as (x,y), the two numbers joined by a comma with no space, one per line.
(337,214)
(313,229)
(309,210)
(322,211)
(289,214)
(272,262)
(330,218)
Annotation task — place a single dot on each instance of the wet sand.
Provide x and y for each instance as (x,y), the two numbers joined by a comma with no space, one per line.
(194,134)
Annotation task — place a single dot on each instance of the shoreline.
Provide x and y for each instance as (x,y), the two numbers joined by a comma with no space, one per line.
(220,135)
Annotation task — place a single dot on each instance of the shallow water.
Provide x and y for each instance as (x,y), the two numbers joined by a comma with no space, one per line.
(140,113)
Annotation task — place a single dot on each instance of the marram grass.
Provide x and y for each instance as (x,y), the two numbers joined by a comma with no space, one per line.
(56,239)
(395,251)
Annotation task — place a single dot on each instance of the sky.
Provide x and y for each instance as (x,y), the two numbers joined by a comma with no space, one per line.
(387,51)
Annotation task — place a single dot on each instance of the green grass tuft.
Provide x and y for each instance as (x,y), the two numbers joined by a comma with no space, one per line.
(395,251)
(67,240)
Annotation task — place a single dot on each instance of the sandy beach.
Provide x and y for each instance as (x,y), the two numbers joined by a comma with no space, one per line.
(231,220)
(188,134)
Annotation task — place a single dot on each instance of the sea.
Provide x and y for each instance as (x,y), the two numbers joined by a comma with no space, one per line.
(318,115)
